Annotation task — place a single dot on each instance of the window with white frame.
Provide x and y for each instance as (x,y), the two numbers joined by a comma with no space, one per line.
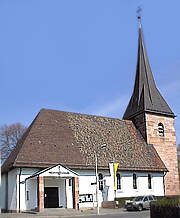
(149,181)
(134,181)
(100,181)
(118,181)
(27,195)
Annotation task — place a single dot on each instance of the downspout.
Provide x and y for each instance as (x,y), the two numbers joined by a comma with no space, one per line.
(6,192)
(20,171)
(164,183)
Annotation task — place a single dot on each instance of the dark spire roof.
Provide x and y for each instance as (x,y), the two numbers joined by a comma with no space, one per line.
(146,97)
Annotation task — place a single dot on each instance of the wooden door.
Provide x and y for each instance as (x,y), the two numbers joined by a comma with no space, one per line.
(51,197)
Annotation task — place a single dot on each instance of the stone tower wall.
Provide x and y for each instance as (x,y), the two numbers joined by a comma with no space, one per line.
(166,148)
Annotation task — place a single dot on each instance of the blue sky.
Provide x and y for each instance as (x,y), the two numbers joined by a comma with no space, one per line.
(80,55)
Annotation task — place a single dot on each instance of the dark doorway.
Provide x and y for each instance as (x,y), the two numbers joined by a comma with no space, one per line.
(51,197)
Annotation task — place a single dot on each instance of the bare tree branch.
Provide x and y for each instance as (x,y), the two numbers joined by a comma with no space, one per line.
(9,136)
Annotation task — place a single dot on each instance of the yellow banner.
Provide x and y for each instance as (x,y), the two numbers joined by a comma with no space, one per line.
(115,172)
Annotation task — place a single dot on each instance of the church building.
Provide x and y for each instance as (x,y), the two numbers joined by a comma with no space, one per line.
(54,163)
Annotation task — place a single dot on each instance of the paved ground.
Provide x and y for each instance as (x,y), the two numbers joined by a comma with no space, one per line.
(143,214)
(60,212)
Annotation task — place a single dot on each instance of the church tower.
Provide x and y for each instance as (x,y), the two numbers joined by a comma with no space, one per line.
(153,117)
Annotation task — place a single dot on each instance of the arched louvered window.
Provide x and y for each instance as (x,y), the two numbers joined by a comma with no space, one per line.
(160,129)
(100,181)
(118,181)
(134,181)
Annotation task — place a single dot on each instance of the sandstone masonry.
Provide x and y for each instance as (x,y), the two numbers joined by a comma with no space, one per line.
(165,147)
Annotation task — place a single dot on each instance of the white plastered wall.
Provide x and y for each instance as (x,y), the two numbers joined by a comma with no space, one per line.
(85,187)
(158,187)
(87,180)
(12,190)
(3,191)
(88,176)
(142,185)
(69,194)
(30,185)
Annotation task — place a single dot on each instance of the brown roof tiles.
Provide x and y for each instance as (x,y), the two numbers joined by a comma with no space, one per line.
(71,139)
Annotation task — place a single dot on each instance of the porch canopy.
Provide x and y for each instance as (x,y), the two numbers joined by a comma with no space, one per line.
(55,171)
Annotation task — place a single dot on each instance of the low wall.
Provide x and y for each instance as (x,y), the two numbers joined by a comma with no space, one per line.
(109,204)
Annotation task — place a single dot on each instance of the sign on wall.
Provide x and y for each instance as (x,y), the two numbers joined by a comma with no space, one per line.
(85,198)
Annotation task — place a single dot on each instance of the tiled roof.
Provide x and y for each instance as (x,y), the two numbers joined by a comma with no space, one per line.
(146,97)
(70,139)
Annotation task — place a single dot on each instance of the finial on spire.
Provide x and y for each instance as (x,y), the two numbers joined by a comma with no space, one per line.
(139,9)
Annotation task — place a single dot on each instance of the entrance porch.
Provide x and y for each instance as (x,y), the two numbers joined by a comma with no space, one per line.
(57,187)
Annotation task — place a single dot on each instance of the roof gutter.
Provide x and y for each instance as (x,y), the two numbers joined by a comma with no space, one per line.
(149,111)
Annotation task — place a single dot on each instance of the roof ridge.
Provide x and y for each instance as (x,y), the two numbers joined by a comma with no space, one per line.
(91,115)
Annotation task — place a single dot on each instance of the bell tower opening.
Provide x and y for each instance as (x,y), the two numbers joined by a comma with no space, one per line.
(160,129)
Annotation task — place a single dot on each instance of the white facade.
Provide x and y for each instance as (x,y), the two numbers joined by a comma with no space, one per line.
(126,190)
(63,182)
(3,191)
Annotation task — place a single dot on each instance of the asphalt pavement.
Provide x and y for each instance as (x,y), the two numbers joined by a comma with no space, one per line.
(60,212)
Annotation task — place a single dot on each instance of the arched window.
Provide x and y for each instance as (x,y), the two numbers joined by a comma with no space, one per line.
(134,181)
(118,181)
(149,182)
(100,181)
(160,129)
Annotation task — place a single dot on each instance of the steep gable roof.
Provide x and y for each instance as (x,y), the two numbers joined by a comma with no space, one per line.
(70,139)
(146,97)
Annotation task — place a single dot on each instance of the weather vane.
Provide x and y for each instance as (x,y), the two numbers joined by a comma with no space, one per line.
(139,10)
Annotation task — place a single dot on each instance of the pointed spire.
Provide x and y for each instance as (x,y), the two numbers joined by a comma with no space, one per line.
(146,97)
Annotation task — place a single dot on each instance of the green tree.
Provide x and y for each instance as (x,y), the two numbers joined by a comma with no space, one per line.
(9,136)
